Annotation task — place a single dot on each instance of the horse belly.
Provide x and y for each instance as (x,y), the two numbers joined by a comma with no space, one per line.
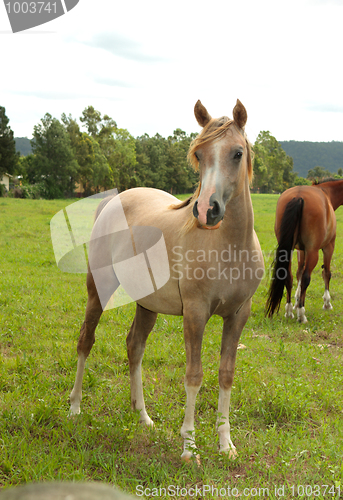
(165,300)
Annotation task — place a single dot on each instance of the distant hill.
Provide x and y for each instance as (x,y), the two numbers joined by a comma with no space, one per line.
(23,145)
(307,155)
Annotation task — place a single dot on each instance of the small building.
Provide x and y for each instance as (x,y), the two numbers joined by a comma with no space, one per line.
(5,179)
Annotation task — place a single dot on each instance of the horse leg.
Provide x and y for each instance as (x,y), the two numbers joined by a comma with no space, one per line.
(194,322)
(301,261)
(311,262)
(289,284)
(86,341)
(142,325)
(232,329)
(327,252)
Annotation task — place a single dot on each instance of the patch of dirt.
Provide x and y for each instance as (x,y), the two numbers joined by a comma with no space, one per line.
(322,334)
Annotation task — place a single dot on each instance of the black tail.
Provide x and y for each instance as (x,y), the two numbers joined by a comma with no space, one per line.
(287,239)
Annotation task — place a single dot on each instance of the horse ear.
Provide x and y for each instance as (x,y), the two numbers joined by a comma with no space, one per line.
(240,115)
(201,114)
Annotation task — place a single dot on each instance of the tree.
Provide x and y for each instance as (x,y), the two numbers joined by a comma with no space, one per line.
(93,168)
(273,169)
(94,171)
(122,159)
(27,168)
(152,161)
(318,173)
(8,155)
(162,163)
(181,176)
(116,145)
(95,125)
(54,162)
(300,181)
(91,118)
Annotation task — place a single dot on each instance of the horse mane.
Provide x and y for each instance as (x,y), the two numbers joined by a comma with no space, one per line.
(326,179)
(215,128)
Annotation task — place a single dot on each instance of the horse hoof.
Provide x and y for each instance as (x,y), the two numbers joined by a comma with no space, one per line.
(74,410)
(302,319)
(327,307)
(187,457)
(231,452)
(147,421)
(289,315)
(288,312)
(301,315)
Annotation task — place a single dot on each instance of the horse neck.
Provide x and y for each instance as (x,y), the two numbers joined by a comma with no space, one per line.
(334,190)
(239,215)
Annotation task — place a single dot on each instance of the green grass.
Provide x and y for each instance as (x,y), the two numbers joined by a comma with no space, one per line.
(287,401)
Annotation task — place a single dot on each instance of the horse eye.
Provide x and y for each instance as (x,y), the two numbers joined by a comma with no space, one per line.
(238,155)
(196,156)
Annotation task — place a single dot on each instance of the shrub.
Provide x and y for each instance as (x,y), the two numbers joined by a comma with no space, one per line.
(33,191)
(3,190)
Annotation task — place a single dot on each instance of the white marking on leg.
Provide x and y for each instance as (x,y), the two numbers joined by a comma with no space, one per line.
(301,315)
(187,429)
(327,305)
(223,424)
(289,309)
(137,397)
(297,295)
(76,393)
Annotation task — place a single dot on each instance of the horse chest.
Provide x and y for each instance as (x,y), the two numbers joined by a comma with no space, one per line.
(222,279)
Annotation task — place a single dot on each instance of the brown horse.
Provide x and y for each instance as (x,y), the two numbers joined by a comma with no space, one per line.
(305,220)
(210,271)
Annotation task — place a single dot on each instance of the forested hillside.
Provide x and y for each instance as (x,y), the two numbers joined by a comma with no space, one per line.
(23,145)
(308,155)
(62,159)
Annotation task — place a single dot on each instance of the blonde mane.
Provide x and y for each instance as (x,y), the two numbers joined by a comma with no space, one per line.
(215,128)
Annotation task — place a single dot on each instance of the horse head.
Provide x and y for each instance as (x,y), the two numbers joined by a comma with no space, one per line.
(222,154)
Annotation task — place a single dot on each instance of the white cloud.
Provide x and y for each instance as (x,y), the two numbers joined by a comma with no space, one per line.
(121,46)
(146,63)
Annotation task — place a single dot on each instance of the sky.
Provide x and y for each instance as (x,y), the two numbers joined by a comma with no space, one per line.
(146,63)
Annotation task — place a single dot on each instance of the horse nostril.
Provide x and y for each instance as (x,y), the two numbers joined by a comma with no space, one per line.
(216,209)
(215,214)
(195,209)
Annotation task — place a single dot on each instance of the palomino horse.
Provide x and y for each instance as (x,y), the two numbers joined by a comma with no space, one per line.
(211,271)
(305,220)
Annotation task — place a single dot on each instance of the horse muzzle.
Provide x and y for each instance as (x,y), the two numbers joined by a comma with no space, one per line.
(214,214)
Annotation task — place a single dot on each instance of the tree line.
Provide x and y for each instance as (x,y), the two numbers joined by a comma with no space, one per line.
(104,156)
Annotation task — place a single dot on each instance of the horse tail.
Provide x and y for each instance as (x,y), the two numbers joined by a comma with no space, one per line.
(288,235)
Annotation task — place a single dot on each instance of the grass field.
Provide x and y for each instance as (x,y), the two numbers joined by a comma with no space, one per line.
(287,401)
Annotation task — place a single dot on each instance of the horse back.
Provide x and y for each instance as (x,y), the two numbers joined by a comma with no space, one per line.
(317,226)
